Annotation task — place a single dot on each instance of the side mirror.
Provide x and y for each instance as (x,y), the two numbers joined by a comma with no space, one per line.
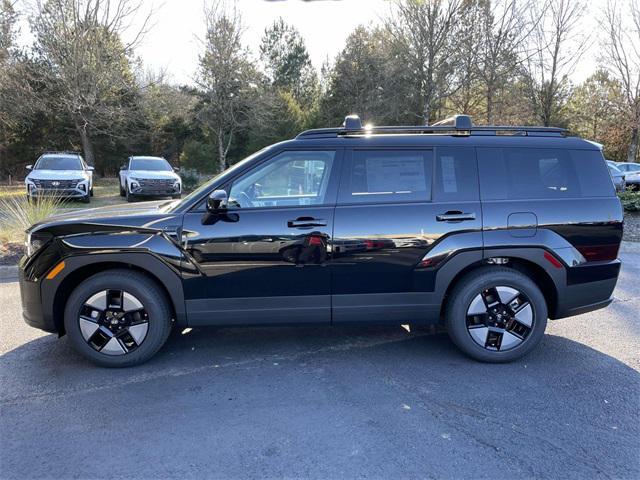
(90,168)
(176,169)
(217,201)
(29,167)
(123,167)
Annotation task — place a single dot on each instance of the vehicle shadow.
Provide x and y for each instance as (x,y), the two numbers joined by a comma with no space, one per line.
(565,408)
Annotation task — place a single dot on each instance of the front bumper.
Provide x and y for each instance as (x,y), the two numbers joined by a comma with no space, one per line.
(57,192)
(32,310)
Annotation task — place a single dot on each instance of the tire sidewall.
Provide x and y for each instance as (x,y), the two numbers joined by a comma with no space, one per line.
(140,287)
(469,288)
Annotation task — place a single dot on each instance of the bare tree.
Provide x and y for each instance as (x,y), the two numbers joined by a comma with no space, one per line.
(422,28)
(557,45)
(622,58)
(86,61)
(505,31)
(226,78)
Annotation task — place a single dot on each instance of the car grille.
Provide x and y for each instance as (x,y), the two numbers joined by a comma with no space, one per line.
(156,183)
(56,184)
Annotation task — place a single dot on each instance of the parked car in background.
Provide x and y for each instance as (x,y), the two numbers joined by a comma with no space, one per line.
(631,173)
(486,233)
(64,174)
(150,177)
(617,176)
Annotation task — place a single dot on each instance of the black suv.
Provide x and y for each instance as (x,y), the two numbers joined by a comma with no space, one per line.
(488,230)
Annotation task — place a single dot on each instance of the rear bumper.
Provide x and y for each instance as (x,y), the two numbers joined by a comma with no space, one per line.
(589,288)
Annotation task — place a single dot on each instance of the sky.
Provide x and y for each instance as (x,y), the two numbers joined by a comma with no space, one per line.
(172,44)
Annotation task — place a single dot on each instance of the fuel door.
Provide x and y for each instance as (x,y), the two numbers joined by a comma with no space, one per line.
(522,224)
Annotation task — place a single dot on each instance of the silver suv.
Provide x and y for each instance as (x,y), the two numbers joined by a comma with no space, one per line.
(149,176)
(61,174)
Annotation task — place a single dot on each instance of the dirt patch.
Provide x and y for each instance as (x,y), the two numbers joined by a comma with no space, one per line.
(10,253)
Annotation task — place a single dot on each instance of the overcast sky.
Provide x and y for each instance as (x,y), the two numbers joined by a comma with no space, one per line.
(172,44)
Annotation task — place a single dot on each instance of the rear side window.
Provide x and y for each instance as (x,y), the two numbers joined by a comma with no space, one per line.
(456,177)
(388,176)
(542,173)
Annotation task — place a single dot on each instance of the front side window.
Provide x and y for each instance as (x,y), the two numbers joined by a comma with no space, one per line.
(59,162)
(388,176)
(291,178)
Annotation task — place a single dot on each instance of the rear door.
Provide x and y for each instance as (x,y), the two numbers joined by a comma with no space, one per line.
(394,206)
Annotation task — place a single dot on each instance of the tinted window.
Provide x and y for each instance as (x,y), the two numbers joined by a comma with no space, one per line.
(388,176)
(154,164)
(528,173)
(288,179)
(456,177)
(59,162)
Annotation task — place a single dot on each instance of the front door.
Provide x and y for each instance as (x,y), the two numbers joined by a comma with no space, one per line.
(394,207)
(265,260)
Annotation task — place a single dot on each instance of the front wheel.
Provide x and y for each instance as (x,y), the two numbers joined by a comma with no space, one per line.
(496,314)
(129,196)
(118,318)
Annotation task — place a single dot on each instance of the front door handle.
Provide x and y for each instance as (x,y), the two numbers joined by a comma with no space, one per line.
(306,222)
(455,216)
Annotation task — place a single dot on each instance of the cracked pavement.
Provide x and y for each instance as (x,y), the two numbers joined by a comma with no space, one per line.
(374,402)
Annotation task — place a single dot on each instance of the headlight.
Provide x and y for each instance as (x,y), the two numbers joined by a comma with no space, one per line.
(35,241)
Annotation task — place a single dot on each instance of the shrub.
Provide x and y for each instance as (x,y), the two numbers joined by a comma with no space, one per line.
(191,179)
(630,200)
(17,214)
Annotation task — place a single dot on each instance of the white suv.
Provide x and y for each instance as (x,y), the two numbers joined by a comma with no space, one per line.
(61,174)
(149,176)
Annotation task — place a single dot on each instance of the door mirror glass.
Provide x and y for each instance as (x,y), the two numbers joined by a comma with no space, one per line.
(217,201)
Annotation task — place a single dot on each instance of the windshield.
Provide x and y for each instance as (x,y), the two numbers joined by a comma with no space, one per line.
(59,162)
(205,186)
(156,164)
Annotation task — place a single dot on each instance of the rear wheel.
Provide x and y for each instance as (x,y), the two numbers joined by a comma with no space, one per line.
(118,318)
(496,314)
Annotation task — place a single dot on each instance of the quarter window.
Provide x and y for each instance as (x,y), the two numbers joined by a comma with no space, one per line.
(292,178)
(388,176)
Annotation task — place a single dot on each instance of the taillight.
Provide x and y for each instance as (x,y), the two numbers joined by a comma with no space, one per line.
(599,253)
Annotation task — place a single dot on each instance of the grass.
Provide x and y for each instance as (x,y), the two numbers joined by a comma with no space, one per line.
(16,214)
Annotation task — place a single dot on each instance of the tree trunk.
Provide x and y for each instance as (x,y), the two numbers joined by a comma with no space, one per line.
(87,145)
(632,153)
(490,106)
(222,154)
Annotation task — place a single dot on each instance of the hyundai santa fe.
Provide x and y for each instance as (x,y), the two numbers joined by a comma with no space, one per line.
(489,231)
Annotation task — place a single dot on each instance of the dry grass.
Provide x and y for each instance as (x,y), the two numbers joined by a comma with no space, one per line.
(17,214)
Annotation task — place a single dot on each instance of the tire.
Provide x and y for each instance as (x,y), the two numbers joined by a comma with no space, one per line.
(176,196)
(130,197)
(473,293)
(155,314)
(121,189)
(86,198)
(91,192)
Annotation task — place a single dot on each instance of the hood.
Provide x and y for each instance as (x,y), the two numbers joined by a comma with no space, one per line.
(153,174)
(146,216)
(57,174)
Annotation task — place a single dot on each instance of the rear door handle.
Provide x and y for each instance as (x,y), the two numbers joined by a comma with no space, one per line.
(306,222)
(455,216)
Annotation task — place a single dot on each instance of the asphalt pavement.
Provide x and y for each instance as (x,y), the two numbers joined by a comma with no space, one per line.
(357,402)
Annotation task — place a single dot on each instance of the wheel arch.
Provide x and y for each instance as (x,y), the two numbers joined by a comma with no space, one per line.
(531,269)
(82,268)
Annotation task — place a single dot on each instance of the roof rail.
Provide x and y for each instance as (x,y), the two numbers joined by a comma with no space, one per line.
(460,125)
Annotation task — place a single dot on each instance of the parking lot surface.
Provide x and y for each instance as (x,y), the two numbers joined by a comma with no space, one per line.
(356,402)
